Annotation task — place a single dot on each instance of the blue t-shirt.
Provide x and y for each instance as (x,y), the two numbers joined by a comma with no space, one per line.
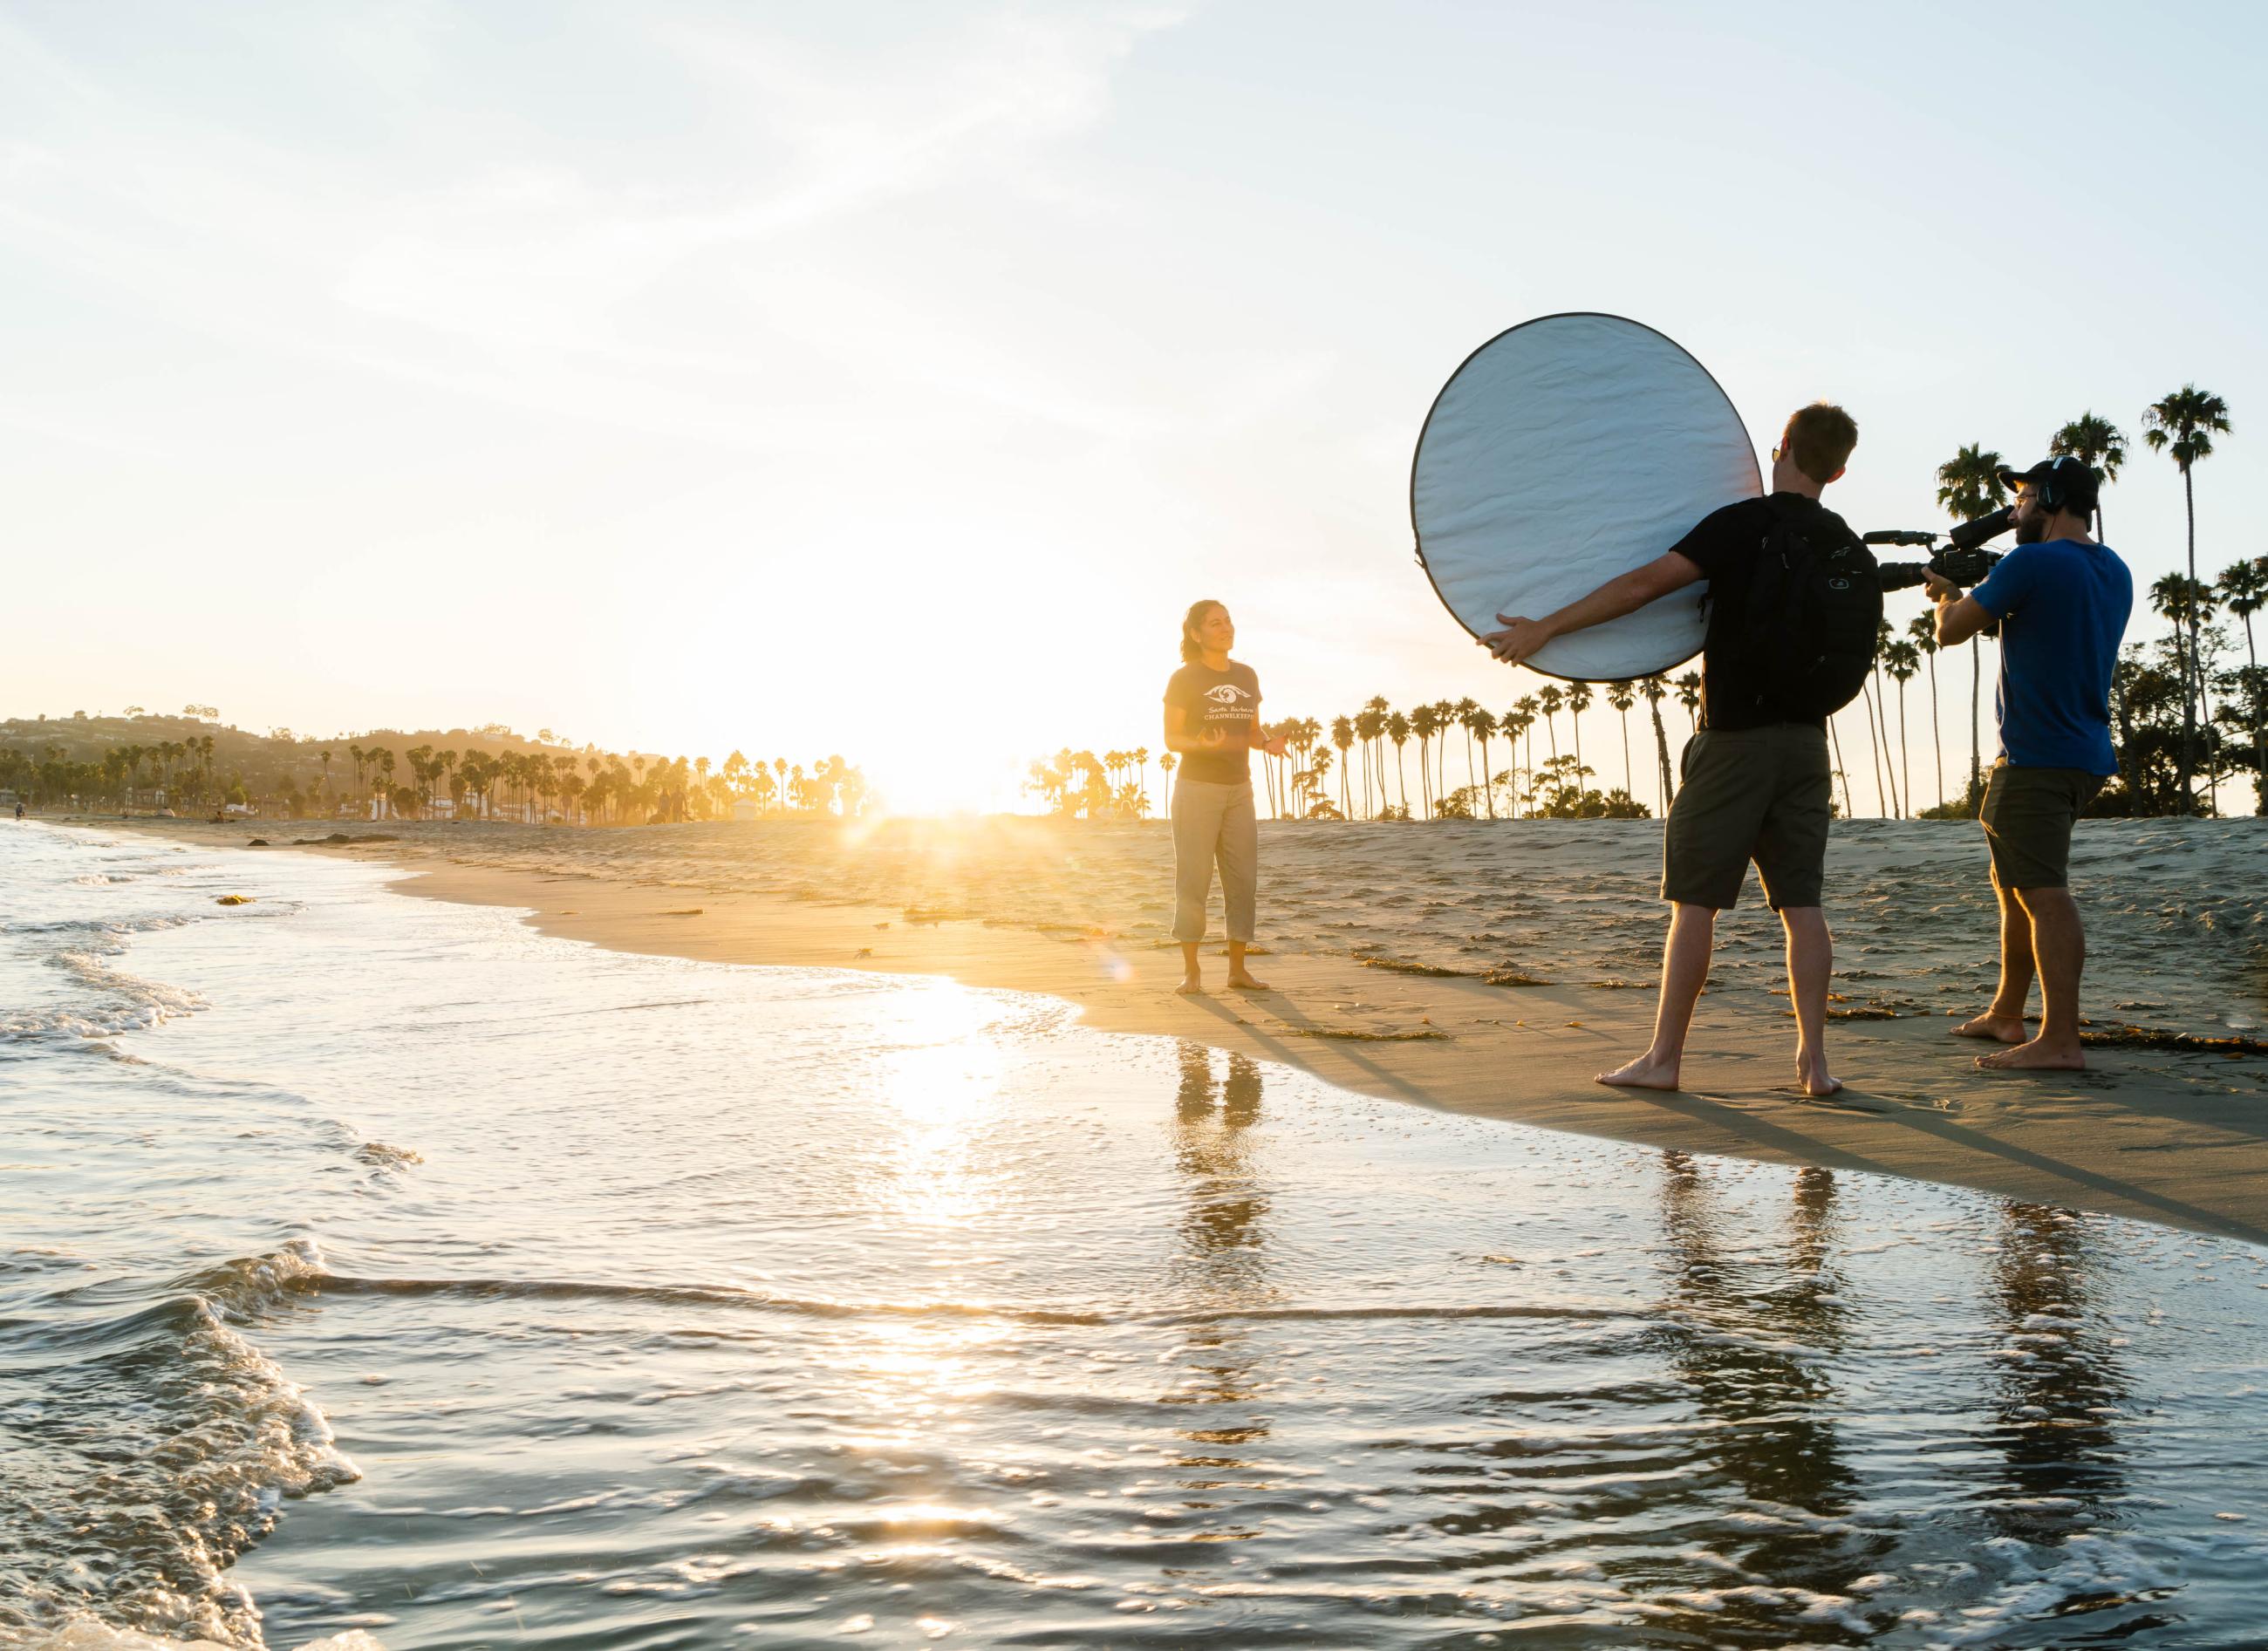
(2062,607)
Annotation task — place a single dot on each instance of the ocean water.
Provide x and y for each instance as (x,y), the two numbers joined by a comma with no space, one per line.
(371,1262)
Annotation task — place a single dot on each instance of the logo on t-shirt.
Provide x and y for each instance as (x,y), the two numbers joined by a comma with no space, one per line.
(1226,695)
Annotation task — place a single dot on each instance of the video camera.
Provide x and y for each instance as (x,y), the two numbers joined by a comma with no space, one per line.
(1964,560)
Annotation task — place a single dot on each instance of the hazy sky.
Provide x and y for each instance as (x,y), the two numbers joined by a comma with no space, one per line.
(886,380)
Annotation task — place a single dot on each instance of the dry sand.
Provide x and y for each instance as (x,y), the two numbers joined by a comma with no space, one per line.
(1495,968)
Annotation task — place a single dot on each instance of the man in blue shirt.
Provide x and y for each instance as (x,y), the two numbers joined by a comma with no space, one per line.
(2061,601)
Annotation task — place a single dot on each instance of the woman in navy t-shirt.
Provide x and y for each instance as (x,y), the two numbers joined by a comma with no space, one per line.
(1213,723)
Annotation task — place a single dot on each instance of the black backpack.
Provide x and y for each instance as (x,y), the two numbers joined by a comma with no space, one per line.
(1804,635)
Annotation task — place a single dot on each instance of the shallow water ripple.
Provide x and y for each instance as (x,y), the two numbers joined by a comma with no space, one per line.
(663,1303)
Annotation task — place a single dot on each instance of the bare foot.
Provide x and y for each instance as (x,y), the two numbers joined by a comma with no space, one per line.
(1246,983)
(2039,1056)
(2001,1029)
(1191,986)
(1644,1072)
(1814,1083)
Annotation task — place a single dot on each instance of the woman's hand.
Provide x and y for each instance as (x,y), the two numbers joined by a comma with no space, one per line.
(1212,739)
(1273,747)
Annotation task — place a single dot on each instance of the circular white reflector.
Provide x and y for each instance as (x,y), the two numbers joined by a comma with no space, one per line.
(1564,451)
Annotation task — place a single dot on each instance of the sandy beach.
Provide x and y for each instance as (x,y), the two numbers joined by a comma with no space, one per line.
(1493,970)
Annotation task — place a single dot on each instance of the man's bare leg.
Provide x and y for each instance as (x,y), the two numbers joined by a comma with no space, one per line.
(1685,972)
(1810,962)
(1239,976)
(1192,981)
(2003,1019)
(2059,946)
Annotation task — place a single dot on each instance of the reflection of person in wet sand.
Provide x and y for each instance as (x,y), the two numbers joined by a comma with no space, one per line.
(1221,1260)
(2061,1384)
(1770,1403)
(1222,1232)
(1213,721)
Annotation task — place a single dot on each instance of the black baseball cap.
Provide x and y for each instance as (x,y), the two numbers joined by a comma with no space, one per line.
(2070,480)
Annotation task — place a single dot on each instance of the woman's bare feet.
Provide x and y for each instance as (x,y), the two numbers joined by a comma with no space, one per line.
(2001,1029)
(1191,986)
(1644,1072)
(1811,1076)
(2039,1056)
(1242,982)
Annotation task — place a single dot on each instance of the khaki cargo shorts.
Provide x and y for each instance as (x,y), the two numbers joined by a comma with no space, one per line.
(2028,814)
(1760,794)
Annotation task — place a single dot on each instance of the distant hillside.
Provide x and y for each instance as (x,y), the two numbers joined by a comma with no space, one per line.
(193,763)
(264,760)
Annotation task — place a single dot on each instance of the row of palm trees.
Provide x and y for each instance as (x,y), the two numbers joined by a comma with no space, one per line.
(530,785)
(2181,424)
(1297,784)
(180,767)
(539,785)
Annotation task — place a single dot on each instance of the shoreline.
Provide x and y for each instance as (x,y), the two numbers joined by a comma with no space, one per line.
(2178,1137)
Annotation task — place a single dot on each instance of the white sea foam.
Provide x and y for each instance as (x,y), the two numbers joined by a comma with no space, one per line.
(86,1635)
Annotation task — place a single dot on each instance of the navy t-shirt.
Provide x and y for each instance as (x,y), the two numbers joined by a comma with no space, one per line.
(1227,701)
(2063,607)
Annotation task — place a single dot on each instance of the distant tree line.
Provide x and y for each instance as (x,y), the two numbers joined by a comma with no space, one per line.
(296,778)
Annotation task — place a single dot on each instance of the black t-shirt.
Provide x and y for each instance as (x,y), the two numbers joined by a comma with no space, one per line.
(1724,545)
(1227,700)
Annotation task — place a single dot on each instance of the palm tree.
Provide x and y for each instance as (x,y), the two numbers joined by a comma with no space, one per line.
(1519,725)
(1425,723)
(1463,712)
(1397,729)
(2185,604)
(2097,444)
(1968,486)
(1370,722)
(1903,661)
(1689,695)
(1622,696)
(382,759)
(2245,588)
(1551,699)
(1480,724)
(1923,629)
(1866,699)
(1342,738)
(1579,700)
(2183,425)
(1882,713)
(1656,688)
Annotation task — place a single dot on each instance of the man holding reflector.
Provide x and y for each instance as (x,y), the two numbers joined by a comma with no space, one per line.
(1793,606)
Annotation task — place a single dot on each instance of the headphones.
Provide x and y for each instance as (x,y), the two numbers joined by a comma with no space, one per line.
(2050,494)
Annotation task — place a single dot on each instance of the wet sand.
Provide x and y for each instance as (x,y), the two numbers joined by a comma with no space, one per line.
(1494,969)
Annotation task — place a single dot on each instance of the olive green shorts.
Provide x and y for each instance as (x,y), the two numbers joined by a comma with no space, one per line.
(1759,793)
(2028,814)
